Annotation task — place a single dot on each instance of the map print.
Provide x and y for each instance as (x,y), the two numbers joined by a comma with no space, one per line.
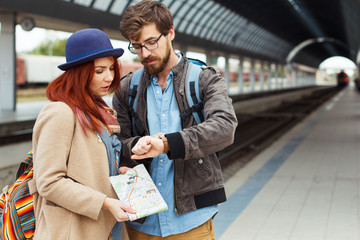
(137,190)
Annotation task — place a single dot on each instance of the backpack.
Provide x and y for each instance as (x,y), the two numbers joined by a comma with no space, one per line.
(17,219)
(192,95)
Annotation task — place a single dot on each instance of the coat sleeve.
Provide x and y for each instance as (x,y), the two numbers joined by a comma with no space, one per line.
(120,104)
(218,129)
(52,138)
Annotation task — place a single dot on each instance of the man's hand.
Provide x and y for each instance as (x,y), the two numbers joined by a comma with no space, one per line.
(148,147)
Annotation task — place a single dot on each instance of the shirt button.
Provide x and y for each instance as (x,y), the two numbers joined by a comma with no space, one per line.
(161,160)
(157,92)
(201,161)
(159,184)
(163,115)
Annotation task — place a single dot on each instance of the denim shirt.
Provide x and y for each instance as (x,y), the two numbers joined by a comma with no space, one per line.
(163,116)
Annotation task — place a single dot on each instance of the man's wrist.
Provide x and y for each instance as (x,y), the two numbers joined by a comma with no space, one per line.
(166,144)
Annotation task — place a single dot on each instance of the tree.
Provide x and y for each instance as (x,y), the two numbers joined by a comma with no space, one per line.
(51,48)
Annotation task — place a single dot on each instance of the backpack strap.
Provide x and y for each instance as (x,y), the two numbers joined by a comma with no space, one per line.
(192,91)
(140,130)
(25,165)
(192,95)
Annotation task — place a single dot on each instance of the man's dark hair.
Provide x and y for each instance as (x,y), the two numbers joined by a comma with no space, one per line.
(144,13)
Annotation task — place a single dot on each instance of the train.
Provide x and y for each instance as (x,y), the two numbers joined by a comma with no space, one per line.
(342,79)
(40,70)
(32,70)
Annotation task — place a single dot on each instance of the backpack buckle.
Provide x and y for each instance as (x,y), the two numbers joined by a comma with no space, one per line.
(187,112)
(133,91)
(132,112)
(198,107)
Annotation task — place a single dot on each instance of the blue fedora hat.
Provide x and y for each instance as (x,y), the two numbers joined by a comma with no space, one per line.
(86,45)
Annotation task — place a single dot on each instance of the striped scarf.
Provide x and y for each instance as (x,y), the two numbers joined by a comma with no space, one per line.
(110,117)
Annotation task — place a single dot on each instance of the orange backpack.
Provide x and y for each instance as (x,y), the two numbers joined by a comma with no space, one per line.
(17,219)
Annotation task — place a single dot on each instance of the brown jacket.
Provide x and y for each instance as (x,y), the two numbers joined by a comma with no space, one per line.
(71,178)
(198,180)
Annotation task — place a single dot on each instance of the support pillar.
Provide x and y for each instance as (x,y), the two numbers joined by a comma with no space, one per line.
(262,76)
(313,76)
(227,72)
(240,75)
(265,74)
(276,75)
(288,76)
(281,76)
(252,75)
(300,77)
(7,62)
(271,75)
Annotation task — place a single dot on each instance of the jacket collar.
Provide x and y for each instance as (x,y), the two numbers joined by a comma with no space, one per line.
(179,67)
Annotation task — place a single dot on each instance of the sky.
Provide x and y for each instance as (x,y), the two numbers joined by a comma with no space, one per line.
(26,41)
(336,64)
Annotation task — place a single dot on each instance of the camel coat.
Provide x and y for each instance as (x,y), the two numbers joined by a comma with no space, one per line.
(71,178)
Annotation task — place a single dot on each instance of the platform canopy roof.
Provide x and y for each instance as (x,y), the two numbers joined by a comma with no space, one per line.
(298,31)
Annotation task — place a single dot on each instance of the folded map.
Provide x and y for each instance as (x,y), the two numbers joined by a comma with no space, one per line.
(137,190)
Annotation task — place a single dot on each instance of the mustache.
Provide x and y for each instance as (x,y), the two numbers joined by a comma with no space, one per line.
(148,59)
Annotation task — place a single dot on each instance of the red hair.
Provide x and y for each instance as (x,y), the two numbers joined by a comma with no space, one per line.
(72,88)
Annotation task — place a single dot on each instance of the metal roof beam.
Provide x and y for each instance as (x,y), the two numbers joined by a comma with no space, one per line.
(64,11)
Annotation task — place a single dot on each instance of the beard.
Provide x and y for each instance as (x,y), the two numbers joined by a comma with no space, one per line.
(154,69)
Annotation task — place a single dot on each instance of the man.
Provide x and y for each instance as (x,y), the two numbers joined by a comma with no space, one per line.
(184,164)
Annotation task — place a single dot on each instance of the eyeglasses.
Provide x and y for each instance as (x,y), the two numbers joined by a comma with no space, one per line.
(150,45)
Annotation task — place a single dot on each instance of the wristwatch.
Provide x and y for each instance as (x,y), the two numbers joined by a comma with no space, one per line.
(166,144)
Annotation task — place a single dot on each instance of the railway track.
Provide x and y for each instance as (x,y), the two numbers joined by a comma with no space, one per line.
(255,132)
(16,132)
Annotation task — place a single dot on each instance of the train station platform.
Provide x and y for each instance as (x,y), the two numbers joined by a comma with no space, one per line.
(305,186)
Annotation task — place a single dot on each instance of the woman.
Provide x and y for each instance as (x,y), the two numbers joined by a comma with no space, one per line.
(74,148)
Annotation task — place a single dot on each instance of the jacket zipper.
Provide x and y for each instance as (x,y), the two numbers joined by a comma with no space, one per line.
(145,112)
(182,126)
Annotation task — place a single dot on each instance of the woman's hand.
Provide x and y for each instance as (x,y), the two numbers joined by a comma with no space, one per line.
(118,209)
(123,169)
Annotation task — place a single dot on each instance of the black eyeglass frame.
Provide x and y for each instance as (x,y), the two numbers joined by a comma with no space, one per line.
(132,49)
